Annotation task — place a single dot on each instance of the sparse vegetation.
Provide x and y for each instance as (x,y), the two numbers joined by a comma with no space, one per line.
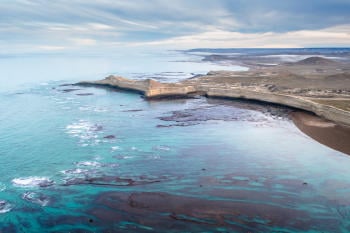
(341,104)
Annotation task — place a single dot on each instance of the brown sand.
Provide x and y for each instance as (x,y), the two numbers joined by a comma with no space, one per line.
(326,132)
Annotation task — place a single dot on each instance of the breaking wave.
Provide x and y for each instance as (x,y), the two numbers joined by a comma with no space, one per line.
(32,181)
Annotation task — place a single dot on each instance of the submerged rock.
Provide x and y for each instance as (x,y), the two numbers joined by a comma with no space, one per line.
(112,181)
(162,211)
(85,94)
(4,207)
(36,198)
(110,137)
(133,110)
(88,164)
(70,90)
(65,85)
(96,128)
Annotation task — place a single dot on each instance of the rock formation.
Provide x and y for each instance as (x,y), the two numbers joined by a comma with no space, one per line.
(318,85)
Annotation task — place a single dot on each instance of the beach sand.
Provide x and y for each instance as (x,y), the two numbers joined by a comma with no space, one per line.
(324,131)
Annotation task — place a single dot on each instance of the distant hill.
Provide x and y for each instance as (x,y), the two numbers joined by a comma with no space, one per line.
(315,61)
(341,76)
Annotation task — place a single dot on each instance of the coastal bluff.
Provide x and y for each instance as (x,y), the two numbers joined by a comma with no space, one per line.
(149,87)
(302,86)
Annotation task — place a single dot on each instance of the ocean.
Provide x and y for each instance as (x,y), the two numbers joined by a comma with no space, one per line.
(85,159)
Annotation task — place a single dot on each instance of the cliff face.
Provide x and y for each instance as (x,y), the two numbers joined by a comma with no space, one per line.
(123,83)
(153,89)
(314,84)
(329,112)
(149,88)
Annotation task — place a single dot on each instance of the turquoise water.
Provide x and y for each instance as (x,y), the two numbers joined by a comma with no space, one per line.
(101,160)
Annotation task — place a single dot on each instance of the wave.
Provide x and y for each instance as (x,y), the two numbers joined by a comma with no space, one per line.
(93,109)
(32,181)
(88,163)
(4,207)
(75,171)
(36,198)
(114,148)
(161,148)
(2,187)
(87,132)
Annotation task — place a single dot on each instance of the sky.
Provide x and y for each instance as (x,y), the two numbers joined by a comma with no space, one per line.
(39,26)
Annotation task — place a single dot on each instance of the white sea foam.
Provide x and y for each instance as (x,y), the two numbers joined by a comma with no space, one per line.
(124,157)
(74,171)
(111,165)
(4,207)
(36,198)
(114,148)
(88,164)
(155,157)
(93,109)
(162,148)
(32,181)
(86,131)
(2,187)
(62,102)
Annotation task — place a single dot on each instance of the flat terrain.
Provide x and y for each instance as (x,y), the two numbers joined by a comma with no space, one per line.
(315,84)
(311,77)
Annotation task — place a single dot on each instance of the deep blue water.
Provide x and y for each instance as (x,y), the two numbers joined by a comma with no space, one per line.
(111,161)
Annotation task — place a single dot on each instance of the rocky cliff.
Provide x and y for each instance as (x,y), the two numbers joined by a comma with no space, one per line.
(153,89)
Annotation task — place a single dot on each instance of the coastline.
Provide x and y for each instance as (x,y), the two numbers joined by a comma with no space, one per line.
(325,132)
(152,89)
(315,85)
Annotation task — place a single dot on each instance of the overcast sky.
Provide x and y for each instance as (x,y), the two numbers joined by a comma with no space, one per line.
(70,25)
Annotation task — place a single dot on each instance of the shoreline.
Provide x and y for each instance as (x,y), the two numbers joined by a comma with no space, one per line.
(315,85)
(152,89)
(323,131)
(329,127)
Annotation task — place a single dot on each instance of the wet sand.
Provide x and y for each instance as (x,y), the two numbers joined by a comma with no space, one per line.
(324,131)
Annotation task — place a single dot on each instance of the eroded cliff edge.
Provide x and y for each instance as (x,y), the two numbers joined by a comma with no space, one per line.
(315,84)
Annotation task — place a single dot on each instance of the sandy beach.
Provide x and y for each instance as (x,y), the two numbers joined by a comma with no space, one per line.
(324,131)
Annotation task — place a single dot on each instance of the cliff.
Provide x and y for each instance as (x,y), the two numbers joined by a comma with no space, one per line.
(153,89)
(317,85)
(149,88)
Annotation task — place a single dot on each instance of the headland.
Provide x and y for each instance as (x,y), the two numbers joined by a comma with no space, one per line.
(315,84)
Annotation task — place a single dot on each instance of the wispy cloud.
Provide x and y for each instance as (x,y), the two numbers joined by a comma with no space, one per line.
(80,24)
(50,48)
(84,41)
(333,36)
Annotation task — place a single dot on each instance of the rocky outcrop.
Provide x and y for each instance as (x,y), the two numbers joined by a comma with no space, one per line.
(149,88)
(121,83)
(326,111)
(219,88)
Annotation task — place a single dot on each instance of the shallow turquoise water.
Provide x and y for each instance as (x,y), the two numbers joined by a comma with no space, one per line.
(101,160)
(63,155)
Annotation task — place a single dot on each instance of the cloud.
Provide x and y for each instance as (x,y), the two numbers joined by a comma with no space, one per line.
(50,48)
(333,36)
(84,41)
(84,24)
(100,26)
